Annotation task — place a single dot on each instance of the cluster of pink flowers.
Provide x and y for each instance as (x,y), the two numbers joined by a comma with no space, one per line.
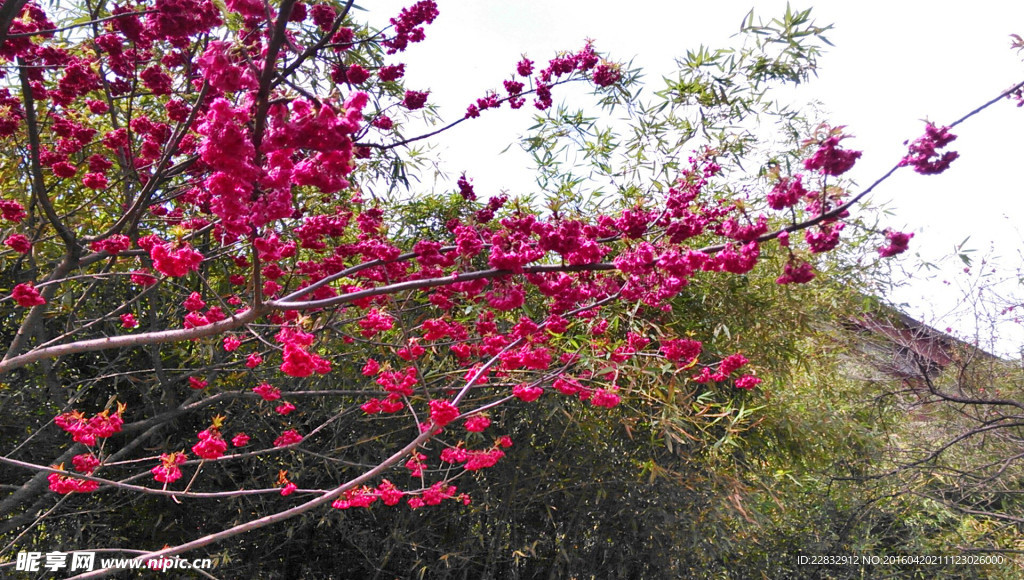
(374,322)
(63,484)
(823,238)
(398,384)
(389,493)
(231,342)
(526,357)
(829,159)
(323,15)
(175,261)
(224,72)
(355,75)
(416,464)
(371,368)
(315,228)
(33,19)
(316,129)
(267,392)
(382,122)
(27,296)
(194,302)
(491,101)
(898,243)
(466,188)
(412,351)
(747,382)
(142,277)
(923,153)
(177,20)
(606,74)
(473,460)
(156,80)
(391,72)
(734,261)
(606,398)
(586,60)
(796,272)
(732,363)
(95,181)
(289,437)
(169,470)
(85,463)
(214,314)
(442,412)
(438,328)
(726,367)
(113,245)
(87,431)
(684,351)
(364,496)
(527,393)
(19,243)
(477,423)
(786,193)
(297,360)
(435,494)
(211,444)
(287,486)
(12,211)
(360,497)
(408,25)
(11,113)
(415,99)
(79,78)
(229,151)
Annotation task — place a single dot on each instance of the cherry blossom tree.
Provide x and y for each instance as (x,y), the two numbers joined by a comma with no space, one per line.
(221,272)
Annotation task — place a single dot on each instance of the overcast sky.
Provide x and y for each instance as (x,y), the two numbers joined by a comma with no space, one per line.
(894,63)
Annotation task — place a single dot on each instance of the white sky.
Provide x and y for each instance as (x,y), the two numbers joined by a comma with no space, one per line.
(894,63)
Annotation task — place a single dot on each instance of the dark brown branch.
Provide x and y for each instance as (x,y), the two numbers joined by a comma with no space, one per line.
(131,340)
(8,12)
(269,65)
(37,182)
